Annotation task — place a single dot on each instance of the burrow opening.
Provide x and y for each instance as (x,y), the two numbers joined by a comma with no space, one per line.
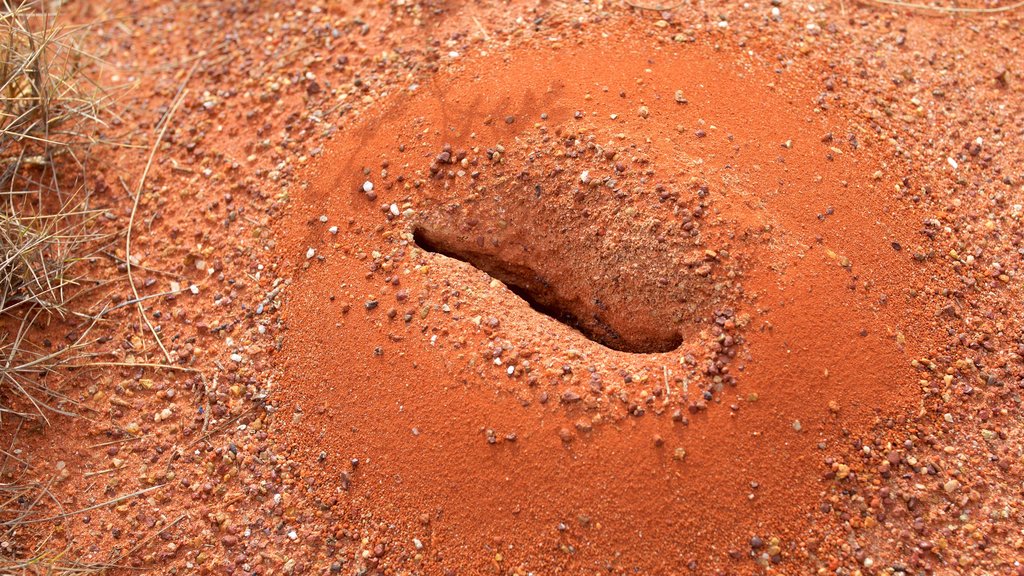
(589,317)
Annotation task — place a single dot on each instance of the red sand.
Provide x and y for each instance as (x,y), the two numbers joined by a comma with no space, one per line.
(862,287)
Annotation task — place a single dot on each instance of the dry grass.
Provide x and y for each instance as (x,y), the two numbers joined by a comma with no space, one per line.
(49,107)
(50,117)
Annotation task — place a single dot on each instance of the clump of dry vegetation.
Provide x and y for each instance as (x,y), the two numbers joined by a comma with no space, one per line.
(50,118)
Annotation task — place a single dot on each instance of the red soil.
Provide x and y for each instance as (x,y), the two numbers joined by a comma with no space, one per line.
(846,397)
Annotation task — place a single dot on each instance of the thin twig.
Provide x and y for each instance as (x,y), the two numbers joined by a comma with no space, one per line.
(152,365)
(139,301)
(949,9)
(487,37)
(178,99)
(222,427)
(660,8)
(110,502)
(112,442)
(149,538)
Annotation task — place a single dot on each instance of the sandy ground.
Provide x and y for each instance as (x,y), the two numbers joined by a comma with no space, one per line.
(544,288)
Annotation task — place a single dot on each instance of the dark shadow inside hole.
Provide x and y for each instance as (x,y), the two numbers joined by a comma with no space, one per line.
(529,285)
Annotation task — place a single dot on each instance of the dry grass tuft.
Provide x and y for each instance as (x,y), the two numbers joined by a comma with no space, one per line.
(50,119)
(49,106)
